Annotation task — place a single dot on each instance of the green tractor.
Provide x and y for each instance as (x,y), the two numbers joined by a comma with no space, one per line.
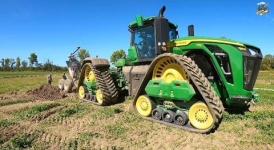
(184,82)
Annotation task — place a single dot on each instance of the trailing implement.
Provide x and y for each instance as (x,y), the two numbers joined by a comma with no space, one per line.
(183,82)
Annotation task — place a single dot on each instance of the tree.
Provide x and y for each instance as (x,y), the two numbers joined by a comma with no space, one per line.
(117,55)
(18,63)
(24,65)
(7,64)
(3,62)
(82,54)
(267,62)
(33,59)
(12,62)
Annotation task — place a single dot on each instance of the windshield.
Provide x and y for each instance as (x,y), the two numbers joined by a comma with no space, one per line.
(172,33)
(143,39)
(252,58)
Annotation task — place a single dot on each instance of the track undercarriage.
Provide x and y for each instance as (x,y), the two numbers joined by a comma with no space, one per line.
(202,113)
(97,85)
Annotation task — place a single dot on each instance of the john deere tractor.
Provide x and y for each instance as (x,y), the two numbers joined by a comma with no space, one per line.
(184,82)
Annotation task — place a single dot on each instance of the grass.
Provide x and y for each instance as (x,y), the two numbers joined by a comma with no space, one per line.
(23,81)
(87,126)
(10,102)
(6,123)
(76,109)
(10,74)
(29,112)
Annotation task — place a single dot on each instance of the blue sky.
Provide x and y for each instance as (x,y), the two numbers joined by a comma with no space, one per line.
(54,28)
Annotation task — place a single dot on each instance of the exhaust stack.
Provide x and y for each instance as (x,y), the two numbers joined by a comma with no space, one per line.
(191,30)
(161,12)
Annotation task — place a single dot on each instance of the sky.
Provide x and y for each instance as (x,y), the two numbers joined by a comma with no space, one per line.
(52,29)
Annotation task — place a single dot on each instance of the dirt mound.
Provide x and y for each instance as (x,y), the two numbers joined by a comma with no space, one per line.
(47,92)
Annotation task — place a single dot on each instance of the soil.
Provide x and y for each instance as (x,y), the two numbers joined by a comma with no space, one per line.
(64,133)
(47,92)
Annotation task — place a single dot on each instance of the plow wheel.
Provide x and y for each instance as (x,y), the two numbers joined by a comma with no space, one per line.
(168,69)
(68,84)
(145,105)
(61,84)
(199,116)
(82,92)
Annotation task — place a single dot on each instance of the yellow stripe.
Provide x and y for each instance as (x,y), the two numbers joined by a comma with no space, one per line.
(186,42)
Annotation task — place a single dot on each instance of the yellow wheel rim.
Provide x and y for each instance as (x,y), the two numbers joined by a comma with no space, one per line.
(168,69)
(81,92)
(89,75)
(200,116)
(144,106)
(99,96)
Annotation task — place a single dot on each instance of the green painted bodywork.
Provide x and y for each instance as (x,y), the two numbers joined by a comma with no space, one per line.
(209,38)
(229,90)
(122,62)
(90,85)
(139,20)
(178,90)
(132,54)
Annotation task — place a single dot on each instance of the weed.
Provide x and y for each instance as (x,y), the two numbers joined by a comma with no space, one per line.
(10,102)
(71,144)
(260,115)
(22,141)
(88,135)
(267,129)
(6,123)
(117,130)
(266,98)
(106,112)
(132,118)
(71,110)
(28,112)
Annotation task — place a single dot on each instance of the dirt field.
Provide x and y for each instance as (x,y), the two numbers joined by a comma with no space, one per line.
(46,118)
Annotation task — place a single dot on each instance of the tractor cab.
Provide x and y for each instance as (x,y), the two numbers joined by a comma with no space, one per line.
(149,37)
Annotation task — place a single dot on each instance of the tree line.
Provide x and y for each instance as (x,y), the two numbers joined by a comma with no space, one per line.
(17,64)
(11,64)
(267,62)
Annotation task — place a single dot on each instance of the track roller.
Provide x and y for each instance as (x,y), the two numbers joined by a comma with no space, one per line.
(168,116)
(157,113)
(181,118)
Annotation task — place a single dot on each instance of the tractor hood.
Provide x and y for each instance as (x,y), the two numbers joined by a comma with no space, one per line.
(200,39)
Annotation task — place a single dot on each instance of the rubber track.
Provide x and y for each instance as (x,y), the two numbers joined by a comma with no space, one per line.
(106,84)
(206,90)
